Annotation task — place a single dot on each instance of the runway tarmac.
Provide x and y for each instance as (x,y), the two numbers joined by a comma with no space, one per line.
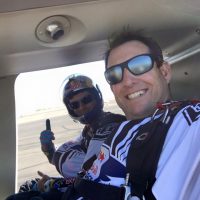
(30,158)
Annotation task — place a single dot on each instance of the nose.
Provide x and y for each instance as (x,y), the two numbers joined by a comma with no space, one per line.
(128,78)
(82,106)
(82,109)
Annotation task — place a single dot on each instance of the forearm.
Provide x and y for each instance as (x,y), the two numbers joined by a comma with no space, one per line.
(49,152)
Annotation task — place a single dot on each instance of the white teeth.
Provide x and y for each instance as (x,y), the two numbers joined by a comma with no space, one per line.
(136,94)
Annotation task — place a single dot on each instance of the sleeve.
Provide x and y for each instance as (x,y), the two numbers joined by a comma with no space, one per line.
(180,159)
(68,159)
(96,142)
(79,138)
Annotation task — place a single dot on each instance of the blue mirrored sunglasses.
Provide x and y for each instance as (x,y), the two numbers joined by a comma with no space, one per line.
(85,100)
(137,65)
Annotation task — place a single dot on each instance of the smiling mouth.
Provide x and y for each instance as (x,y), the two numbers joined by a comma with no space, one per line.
(136,94)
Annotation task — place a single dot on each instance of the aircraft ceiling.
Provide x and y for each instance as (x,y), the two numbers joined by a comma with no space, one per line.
(174,23)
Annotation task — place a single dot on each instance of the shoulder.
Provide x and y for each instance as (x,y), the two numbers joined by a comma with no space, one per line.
(186,124)
(108,117)
(115,116)
(105,130)
(188,114)
(191,113)
(107,123)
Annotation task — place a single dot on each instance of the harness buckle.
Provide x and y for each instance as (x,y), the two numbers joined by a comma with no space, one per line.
(127,189)
(127,194)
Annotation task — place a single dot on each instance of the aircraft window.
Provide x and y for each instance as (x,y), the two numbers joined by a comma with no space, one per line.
(38,98)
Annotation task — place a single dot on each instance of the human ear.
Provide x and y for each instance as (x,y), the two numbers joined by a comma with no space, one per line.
(166,71)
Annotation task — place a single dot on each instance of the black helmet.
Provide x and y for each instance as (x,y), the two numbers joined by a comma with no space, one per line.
(75,84)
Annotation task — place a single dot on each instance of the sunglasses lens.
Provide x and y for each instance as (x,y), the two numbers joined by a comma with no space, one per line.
(137,65)
(113,75)
(141,64)
(87,99)
(75,105)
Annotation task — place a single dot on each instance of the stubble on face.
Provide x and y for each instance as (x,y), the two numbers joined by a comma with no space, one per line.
(137,96)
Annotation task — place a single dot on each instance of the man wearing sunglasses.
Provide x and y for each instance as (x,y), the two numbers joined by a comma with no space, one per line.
(84,103)
(155,154)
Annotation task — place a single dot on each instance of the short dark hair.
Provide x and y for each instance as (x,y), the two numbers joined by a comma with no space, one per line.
(126,36)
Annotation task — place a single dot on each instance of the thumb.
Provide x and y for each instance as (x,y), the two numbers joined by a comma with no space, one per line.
(44,176)
(53,137)
(40,173)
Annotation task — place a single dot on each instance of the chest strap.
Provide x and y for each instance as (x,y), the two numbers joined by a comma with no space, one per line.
(143,157)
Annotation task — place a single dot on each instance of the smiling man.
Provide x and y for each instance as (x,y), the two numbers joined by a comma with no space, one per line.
(155,154)
(137,92)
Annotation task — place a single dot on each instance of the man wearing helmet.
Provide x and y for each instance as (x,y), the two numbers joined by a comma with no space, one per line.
(84,103)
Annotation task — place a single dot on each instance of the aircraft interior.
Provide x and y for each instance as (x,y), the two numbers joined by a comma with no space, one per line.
(38,35)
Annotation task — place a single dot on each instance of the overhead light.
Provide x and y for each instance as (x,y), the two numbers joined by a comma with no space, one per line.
(55,30)
(52,29)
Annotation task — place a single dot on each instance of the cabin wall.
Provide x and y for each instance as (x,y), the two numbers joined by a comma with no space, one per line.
(185,78)
(7,136)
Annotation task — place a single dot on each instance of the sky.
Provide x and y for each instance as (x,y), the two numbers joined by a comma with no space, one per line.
(40,90)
